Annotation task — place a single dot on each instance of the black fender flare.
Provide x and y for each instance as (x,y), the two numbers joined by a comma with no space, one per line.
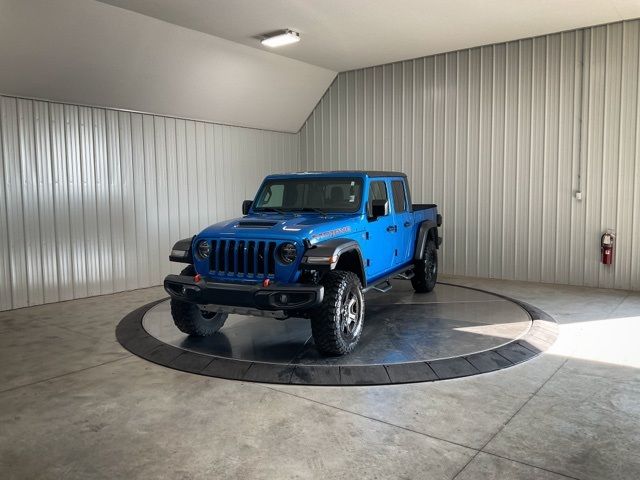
(423,235)
(182,251)
(326,256)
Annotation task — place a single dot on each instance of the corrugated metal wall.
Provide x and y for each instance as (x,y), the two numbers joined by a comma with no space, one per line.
(501,137)
(92,199)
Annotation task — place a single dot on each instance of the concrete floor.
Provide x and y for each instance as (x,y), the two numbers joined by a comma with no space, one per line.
(74,404)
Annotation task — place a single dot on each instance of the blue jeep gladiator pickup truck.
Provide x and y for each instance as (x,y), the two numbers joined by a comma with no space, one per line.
(309,245)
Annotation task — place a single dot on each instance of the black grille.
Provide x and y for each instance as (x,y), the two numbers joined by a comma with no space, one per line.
(243,258)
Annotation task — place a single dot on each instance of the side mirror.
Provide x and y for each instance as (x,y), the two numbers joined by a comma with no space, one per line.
(379,208)
(246,206)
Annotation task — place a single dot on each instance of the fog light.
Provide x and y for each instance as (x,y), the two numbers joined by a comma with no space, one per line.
(284,299)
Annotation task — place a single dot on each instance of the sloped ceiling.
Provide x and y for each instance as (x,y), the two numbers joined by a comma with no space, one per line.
(348,34)
(87,52)
(200,58)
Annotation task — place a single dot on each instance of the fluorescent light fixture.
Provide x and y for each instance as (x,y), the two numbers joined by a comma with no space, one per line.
(279,39)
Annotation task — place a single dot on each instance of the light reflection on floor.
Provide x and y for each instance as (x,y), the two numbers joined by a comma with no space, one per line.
(600,341)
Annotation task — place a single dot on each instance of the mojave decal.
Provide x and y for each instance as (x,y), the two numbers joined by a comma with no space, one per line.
(331,233)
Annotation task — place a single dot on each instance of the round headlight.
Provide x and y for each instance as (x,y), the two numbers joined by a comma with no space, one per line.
(287,253)
(204,249)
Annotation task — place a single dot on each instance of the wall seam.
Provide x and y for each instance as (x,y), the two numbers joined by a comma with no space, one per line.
(6,207)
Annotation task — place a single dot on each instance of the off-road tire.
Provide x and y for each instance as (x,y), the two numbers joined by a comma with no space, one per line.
(191,320)
(336,328)
(426,270)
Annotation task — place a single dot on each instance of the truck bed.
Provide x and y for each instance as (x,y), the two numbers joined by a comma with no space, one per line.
(425,211)
(423,206)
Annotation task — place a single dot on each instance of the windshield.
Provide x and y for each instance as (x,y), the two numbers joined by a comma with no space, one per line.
(323,195)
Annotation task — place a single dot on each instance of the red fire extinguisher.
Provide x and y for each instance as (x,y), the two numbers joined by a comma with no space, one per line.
(607,243)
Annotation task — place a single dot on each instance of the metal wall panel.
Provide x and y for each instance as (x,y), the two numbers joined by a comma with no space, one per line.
(89,201)
(140,201)
(628,204)
(33,252)
(13,192)
(62,227)
(103,206)
(5,249)
(125,135)
(116,203)
(45,201)
(78,254)
(92,199)
(501,137)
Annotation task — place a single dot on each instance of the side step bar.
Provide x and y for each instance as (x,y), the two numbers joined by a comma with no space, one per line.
(384,284)
(383,287)
(408,275)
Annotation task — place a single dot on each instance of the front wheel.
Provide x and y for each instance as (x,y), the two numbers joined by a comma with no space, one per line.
(193,321)
(337,323)
(426,270)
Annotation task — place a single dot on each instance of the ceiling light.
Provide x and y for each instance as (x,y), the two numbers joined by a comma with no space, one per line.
(279,39)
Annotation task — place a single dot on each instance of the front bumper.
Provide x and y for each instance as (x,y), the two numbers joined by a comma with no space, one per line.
(296,296)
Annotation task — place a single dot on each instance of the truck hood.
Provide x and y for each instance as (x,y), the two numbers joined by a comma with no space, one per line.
(314,227)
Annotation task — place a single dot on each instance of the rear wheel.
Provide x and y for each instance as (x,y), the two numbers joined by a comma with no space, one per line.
(337,324)
(426,270)
(191,320)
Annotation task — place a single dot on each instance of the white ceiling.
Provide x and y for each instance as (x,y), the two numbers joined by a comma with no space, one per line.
(86,52)
(347,34)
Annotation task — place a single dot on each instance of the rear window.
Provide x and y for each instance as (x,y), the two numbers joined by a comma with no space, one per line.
(399,197)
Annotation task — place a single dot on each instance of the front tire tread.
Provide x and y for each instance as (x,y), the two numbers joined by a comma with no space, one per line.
(189,318)
(326,318)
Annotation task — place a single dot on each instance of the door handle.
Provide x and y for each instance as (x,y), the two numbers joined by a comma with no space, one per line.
(407,224)
(392,228)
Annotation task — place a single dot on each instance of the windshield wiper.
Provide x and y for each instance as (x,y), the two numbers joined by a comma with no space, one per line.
(273,209)
(314,209)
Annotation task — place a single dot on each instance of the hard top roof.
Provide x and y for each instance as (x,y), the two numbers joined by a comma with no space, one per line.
(339,173)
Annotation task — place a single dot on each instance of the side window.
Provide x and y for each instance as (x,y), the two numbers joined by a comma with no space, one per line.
(399,197)
(377,191)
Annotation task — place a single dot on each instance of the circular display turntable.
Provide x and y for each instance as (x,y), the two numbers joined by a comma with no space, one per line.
(454,331)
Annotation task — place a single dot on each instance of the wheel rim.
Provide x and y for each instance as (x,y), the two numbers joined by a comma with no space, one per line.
(350,315)
(208,315)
